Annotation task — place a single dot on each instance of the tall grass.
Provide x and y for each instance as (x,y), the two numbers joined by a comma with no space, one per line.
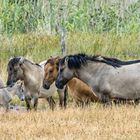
(74,15)
(41,46)
(38,47)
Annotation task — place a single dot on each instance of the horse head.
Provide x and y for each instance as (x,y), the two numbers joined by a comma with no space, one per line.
(14,70)
(51,71)
(66,71)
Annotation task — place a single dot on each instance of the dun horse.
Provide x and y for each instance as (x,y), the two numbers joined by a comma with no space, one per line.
(32,75)
(108,77)
(7,93)
(79,90)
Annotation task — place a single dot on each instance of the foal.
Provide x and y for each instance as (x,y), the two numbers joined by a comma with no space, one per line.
(7,93)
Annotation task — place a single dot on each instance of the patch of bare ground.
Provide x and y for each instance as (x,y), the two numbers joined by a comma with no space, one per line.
(95,122)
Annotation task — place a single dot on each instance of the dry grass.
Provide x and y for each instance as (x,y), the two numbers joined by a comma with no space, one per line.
(95,122)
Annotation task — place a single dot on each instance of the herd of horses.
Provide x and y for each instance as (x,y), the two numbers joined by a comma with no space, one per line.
(86,78)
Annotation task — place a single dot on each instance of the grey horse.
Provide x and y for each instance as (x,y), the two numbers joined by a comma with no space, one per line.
(7,93)
(32,74)
(109,78)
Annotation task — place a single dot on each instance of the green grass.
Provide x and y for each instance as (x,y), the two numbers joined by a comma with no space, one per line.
(39,47)
(18,16)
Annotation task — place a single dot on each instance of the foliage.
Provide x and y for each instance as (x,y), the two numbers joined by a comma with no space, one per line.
(74,15)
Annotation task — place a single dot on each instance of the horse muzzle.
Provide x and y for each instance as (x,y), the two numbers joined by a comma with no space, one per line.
(59,85)
(46,86)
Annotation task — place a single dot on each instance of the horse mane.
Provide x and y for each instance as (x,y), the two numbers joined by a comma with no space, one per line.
(37,64)
(15,61)
(77,60)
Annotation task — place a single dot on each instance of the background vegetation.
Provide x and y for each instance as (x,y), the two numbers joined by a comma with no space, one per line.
(22,16)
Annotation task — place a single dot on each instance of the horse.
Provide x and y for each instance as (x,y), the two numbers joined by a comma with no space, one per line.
(61,92)
(109,78)
(20,68)
(79,90)
(7,93)
(48,93)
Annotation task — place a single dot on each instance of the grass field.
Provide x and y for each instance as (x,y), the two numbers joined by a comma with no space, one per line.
(95,122)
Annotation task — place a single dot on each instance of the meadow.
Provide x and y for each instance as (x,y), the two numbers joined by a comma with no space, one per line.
(95,27)
(94,122)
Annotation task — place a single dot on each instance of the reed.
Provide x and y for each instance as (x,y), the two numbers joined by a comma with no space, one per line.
(18,16)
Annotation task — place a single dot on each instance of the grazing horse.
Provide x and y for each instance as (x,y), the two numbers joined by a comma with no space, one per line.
(7,93)
(109,78)
(32,74)
(79,90)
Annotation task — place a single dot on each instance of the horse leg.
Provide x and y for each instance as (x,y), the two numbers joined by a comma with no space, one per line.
(28,103)
(65,96)
(105,99)
(87,103)
(61,97)
(35,103)
(136,101)
(51,102)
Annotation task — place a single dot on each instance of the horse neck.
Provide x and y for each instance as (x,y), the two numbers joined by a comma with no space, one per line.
(90,71)
(27,66)
(30,70)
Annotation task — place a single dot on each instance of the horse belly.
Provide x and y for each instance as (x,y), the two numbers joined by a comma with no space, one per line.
(129,89)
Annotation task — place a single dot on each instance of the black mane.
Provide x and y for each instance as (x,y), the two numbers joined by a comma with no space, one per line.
(74,61)
(14,61)
(77,60)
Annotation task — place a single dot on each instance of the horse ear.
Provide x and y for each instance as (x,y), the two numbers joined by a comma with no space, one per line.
(66,60)
(11,58)
(57,59)
(99,58)
(21,61)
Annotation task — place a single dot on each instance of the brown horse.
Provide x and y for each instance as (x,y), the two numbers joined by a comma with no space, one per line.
(79,90)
